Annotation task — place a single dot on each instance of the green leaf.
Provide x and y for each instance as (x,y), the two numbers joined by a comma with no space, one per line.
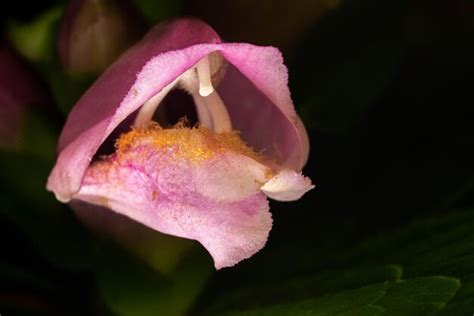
(35,40)
(436,256)
(298,288)
(422,296)
(337,304)
(463,302)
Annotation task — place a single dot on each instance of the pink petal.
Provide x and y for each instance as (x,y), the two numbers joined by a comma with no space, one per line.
(287,185)
(236,178)
(275,130)
(173,196)
(256,85)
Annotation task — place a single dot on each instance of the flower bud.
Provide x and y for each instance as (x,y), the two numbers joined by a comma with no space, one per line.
(93,33)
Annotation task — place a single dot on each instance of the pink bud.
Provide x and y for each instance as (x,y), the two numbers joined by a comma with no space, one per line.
(93,33)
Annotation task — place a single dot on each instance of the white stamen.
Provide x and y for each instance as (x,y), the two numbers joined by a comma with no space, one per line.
(146,112)
(204,116)
(204,74)
(220,116)
(210,108)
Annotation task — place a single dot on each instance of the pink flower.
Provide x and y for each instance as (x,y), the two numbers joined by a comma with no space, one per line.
(207,183)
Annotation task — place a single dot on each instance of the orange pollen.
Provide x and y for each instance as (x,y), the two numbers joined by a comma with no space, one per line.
(191,143)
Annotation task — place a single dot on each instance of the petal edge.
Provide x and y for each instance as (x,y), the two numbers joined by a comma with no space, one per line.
(287,185)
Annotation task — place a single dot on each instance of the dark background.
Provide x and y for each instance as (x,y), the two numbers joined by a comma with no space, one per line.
(385,89)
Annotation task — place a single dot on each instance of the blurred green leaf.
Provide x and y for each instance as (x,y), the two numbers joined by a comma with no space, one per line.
(298,288)
(420,296)
(357,301)
(35,40)
(417,297)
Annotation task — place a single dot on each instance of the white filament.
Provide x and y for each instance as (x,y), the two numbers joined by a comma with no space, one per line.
(205,118)
(147,110)
(210,108)
(204,74)
(220,116)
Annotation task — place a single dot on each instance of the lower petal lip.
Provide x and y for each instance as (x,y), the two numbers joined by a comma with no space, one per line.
(214,200)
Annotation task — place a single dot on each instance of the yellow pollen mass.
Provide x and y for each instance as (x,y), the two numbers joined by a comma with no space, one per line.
(192,143)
